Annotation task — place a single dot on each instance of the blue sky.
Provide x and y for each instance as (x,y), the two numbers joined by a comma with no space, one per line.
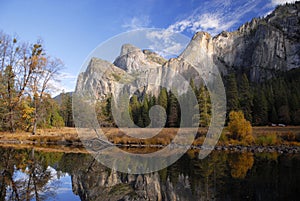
(71,29)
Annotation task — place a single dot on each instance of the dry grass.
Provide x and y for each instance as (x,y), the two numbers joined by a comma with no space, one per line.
(46,136)
(264,135)
(52,148)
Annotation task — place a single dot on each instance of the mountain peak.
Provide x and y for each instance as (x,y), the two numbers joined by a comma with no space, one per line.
(127,48)
(200,35)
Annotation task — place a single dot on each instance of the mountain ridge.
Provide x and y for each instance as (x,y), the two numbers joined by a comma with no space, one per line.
(259,48)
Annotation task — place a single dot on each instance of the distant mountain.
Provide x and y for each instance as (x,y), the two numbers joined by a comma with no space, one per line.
(58,98)
(261,49)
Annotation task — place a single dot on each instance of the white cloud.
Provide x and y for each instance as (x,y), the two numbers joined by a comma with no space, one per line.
(214,17)
(167,42)
(137,22)
(277,2)
(64,82)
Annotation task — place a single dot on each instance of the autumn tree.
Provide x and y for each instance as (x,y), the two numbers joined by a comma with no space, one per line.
(45,70)
(24,69)
(239,128)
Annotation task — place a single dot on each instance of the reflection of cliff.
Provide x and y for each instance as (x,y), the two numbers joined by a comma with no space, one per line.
(99,183)
(220,176)
(93,181)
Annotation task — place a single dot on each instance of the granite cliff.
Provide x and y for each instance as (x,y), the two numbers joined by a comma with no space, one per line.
(260,48)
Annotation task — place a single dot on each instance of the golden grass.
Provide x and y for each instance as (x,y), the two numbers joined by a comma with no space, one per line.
(48,148)
(264,135)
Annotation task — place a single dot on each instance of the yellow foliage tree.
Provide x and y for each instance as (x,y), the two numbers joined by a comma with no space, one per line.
(239,128)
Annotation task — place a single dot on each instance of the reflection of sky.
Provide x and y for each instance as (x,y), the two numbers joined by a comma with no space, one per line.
(64,186)
(64,192)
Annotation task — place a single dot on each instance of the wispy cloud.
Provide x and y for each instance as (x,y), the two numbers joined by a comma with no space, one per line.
(63,83)
(137,22)
(215,16)
(277,2)
(167,42)
(212,16)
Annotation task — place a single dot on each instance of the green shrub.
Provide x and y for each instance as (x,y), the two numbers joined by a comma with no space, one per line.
(268,139)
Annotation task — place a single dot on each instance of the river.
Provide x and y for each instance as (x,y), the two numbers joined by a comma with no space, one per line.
(29,174)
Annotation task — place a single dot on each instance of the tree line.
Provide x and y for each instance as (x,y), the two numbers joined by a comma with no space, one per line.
(140,105)
(275,101)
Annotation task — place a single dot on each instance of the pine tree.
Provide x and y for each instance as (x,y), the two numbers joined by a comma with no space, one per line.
(9,98)
(172,111)
(273,115)
(192,85)
(204,106)
(232,93)
(260,108)
(135,109)
(66,109)
(245,97)
(162,100)
(144,113)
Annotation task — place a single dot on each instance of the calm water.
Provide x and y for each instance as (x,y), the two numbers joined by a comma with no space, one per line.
(32,175)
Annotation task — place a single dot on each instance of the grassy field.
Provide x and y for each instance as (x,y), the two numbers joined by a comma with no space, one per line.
(68,136)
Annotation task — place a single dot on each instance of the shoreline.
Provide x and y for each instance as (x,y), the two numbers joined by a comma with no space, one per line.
(280,149)
(68,137)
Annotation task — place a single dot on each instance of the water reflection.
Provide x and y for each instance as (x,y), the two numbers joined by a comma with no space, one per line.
(25,175)
(221,176)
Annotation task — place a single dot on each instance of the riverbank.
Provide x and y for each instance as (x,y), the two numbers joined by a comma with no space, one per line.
(270,137)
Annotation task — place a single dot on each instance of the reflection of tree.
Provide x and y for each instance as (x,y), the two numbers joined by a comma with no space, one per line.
(240,163)
(25,175)
(6,177)
(211,170)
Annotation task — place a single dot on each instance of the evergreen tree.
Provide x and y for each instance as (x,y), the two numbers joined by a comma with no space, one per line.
(204,106)
(9,95)
(135,109)
(260,108)
(232,93)
(192,85)
(245,97)
(144,113)
(284,115)
(162,100)
(273,115)
(66,109)
(172,111)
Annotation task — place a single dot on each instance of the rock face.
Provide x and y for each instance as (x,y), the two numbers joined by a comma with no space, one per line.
(259,48)
(262,46)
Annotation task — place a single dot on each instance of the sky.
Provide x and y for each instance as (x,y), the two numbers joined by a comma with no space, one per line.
(72,29)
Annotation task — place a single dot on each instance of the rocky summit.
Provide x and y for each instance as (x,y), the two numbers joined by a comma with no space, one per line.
(260,48)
